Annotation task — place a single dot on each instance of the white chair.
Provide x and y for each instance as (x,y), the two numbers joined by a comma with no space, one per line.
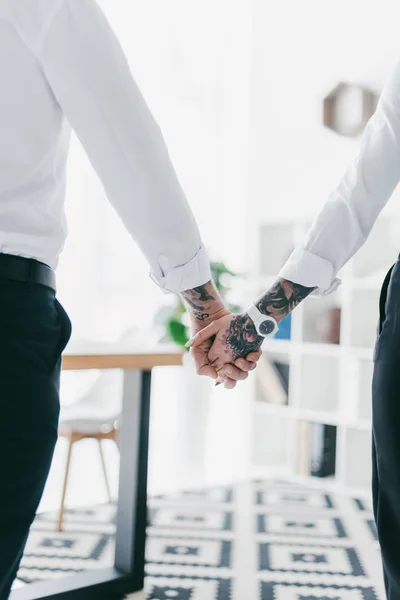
(94,416)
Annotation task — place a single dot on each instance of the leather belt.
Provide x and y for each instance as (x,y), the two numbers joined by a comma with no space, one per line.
(27,270)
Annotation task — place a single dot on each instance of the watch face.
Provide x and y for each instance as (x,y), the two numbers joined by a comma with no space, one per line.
(266,327)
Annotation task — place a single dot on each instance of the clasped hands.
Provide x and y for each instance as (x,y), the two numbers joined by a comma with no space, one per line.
(226,349)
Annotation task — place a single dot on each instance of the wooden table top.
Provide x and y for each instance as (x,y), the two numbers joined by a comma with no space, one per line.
(99,355)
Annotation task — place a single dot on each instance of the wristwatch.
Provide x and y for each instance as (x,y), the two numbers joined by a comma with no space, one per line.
(265,325)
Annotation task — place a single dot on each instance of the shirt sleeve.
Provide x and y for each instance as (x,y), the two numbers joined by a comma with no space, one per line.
(89,75)
(352,208)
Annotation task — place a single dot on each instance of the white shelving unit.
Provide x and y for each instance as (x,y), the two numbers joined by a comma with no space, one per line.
(328,383)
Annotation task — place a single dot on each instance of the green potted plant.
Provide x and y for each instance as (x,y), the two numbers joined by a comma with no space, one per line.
(173,319)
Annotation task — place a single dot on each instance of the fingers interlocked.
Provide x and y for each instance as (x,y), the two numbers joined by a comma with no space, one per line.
(218,356)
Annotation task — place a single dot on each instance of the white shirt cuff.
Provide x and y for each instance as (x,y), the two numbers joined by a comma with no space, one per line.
(185,277)
(310,270)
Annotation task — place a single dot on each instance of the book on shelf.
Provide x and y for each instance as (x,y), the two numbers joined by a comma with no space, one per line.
(303,454)
(272,381)
(322,449)
(285,329)
(316,449)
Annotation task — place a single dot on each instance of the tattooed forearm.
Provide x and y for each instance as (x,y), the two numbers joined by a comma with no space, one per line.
(196,307)
(242,337)
(282,298)
(203,301)
(203,292)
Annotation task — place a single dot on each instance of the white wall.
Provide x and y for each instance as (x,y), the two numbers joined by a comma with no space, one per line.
(301,50)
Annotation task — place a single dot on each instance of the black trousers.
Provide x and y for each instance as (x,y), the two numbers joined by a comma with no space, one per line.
(386,431)
(34,329)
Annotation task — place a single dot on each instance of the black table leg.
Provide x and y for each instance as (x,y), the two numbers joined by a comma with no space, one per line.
(132,497)
(127,574)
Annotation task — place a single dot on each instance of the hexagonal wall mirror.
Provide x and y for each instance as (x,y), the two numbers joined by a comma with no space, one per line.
(348,108)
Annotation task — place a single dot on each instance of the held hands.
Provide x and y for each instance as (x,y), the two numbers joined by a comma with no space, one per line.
(229,347)
(220,337)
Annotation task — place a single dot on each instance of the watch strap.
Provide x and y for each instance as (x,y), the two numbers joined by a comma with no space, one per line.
(259,318)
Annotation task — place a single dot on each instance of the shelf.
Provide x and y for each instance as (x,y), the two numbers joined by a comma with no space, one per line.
(319,383)
(357,450)
(288,411)
(364,424)
(279,346)
(330,383)
(315,348)
(362,323)
(360,353)
(316,416)
(321,319)
(336,350)
(364,408)
(281,410)
(272,378)
(320,349)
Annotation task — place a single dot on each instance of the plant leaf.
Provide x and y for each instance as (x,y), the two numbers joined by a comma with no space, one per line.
(178,332)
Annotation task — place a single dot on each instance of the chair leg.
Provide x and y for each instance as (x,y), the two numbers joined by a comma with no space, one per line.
(114,437)
(71,439)
(105,472)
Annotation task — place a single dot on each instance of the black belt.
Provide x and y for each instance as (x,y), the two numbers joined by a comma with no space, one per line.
(27,270)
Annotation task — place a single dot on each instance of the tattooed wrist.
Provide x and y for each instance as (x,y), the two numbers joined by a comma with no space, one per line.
(203,302)
(282,298)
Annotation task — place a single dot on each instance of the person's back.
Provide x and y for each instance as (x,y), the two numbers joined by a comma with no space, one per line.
(33,142)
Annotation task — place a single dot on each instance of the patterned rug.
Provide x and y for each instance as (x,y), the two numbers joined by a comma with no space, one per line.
(265,540)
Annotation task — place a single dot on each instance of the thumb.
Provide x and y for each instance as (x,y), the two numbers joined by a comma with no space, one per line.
(203,335)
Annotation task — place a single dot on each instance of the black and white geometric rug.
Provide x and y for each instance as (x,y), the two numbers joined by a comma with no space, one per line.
(265,540)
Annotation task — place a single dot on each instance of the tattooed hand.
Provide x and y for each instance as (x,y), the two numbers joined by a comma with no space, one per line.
(204,307)
(233,337)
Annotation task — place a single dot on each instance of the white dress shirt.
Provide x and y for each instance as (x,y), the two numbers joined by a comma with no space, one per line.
(348,216)
(61,66)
